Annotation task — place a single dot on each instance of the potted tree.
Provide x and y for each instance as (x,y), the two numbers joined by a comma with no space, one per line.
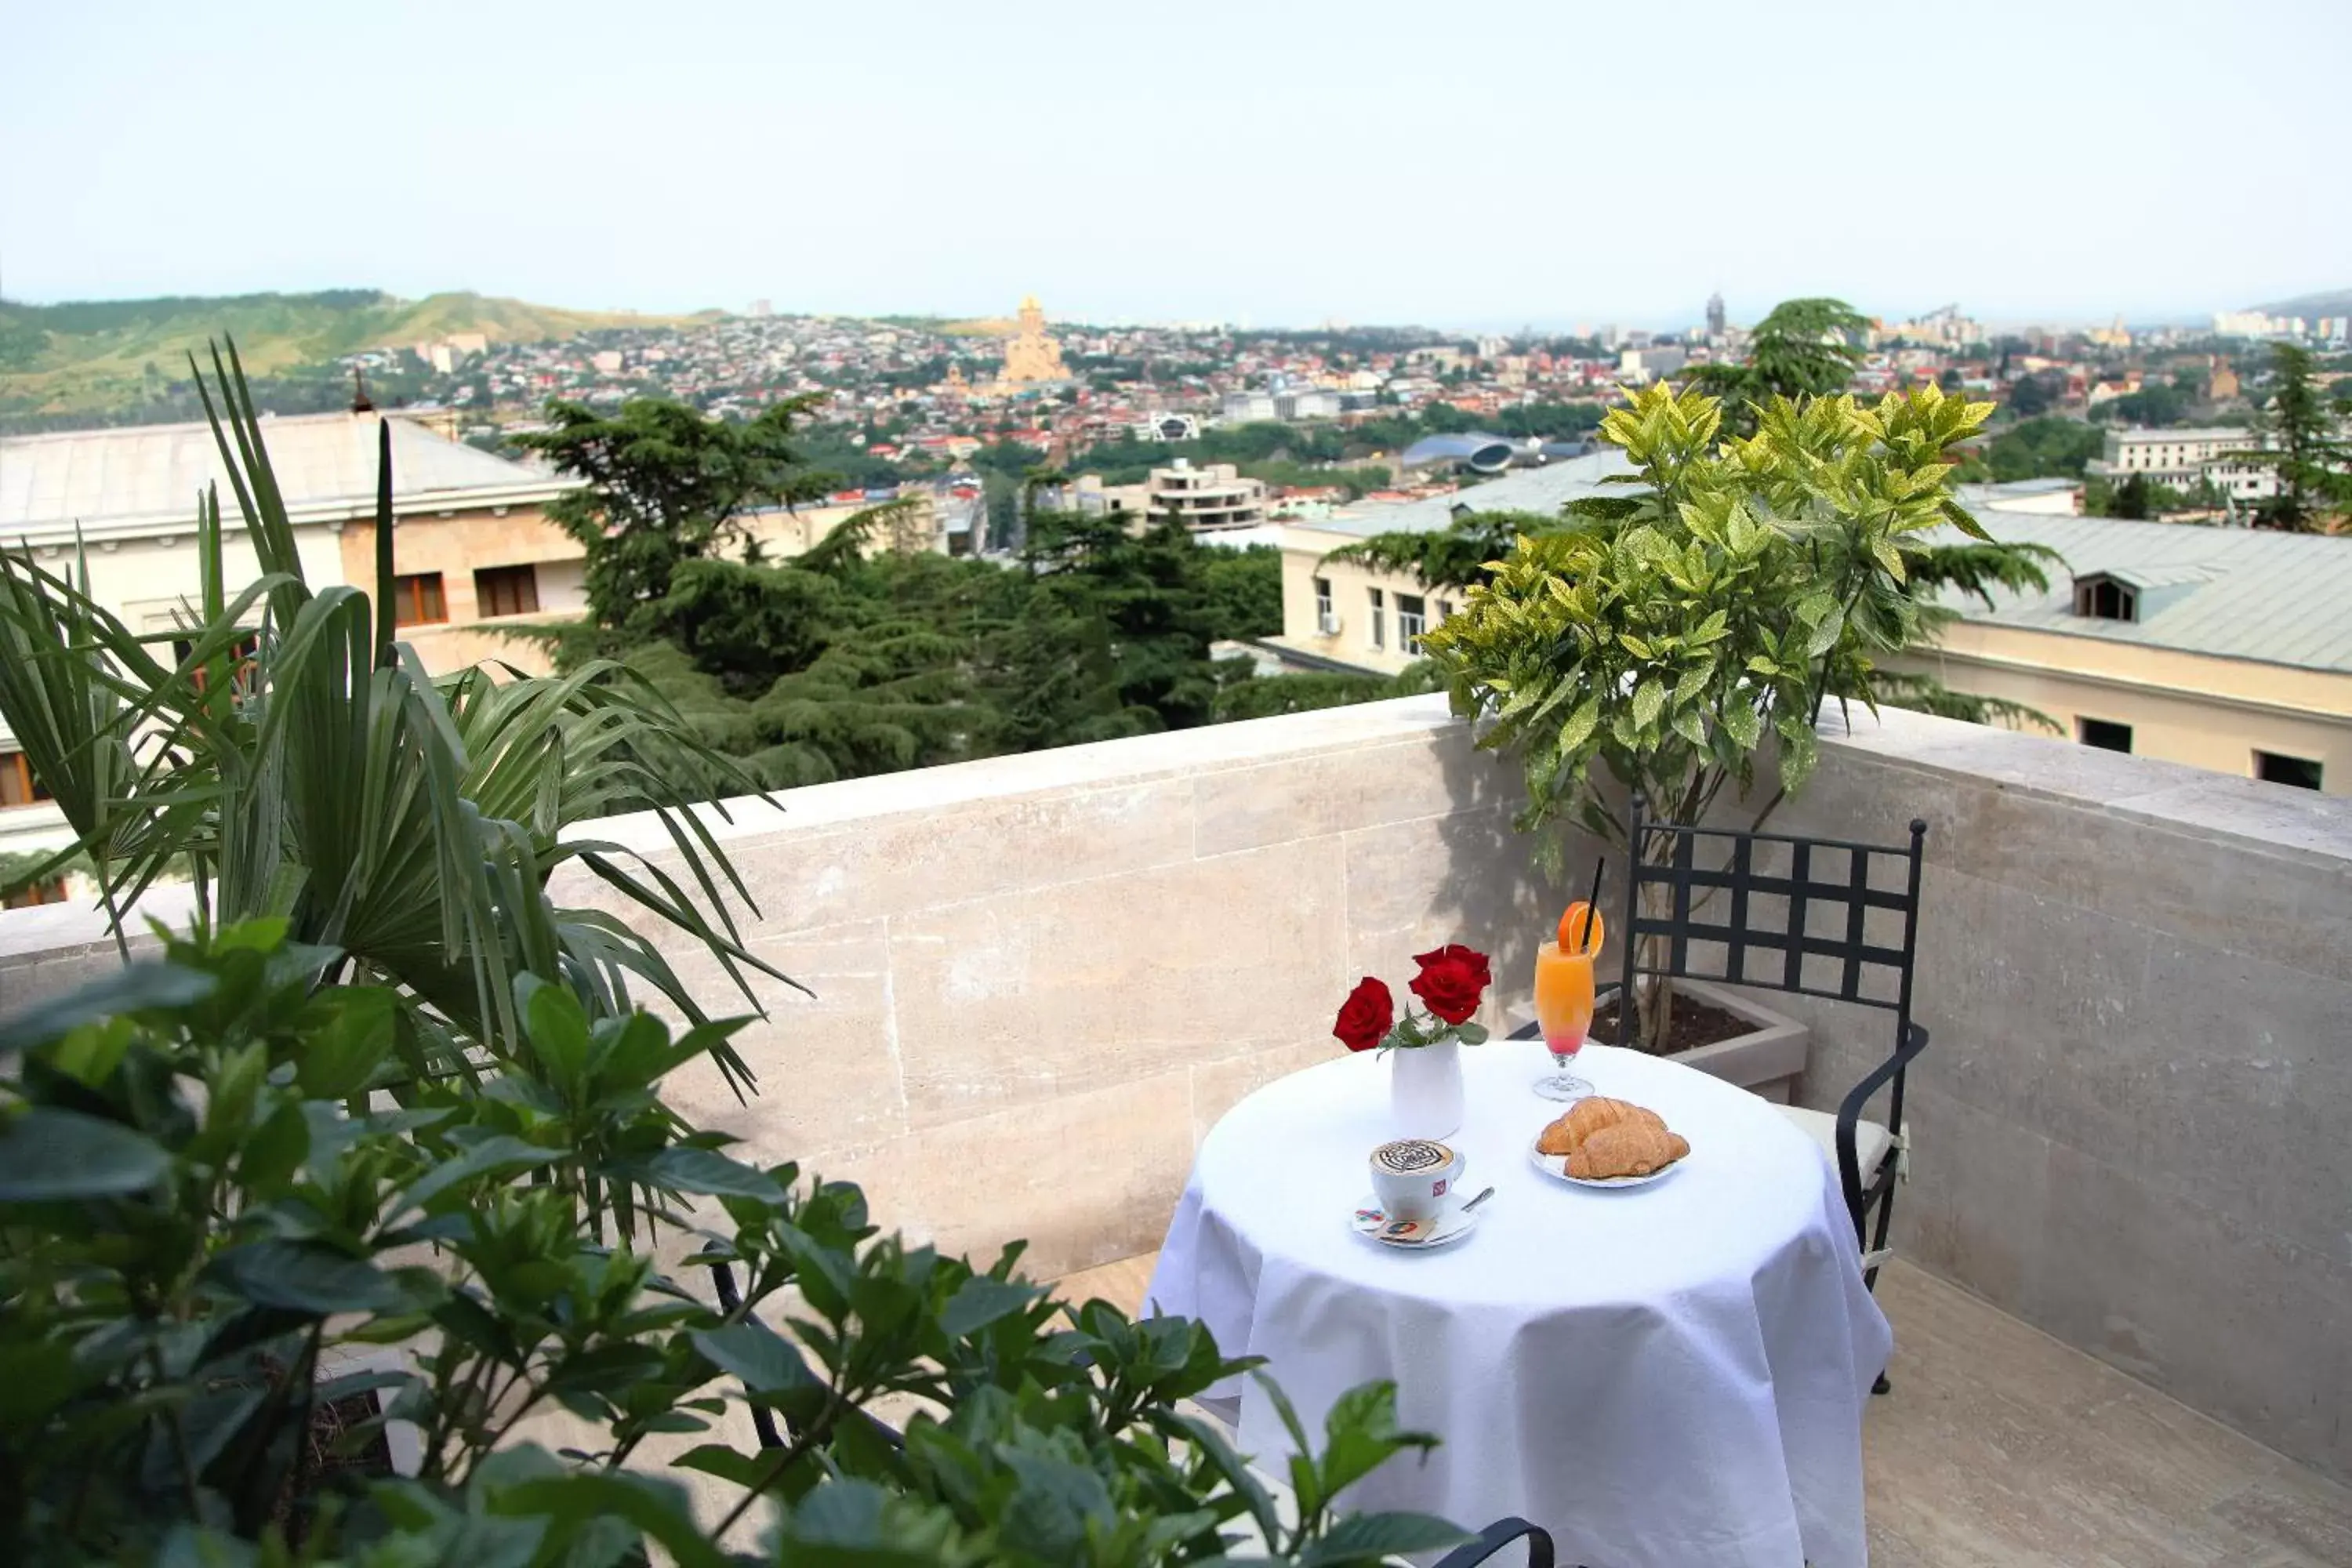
(1679,638)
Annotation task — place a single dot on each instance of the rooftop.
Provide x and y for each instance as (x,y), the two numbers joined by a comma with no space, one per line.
(326,464)
(1546,489)
(2201,433)
(2251,593)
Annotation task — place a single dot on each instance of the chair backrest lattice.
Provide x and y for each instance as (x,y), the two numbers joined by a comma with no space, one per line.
(1780,909)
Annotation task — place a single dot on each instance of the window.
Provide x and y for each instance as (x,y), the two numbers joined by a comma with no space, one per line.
(505,591)
(2106,599)
(2103,733)
(17,784)
(1444,610)
(51,892)
(1412,619)
(1326,621)
(1379,639)
(2272,768)
(417,600)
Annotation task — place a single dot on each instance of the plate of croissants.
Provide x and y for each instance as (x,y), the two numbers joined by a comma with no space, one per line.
(1604,1143)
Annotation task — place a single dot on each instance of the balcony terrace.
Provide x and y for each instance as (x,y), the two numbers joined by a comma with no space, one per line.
(2123,1323)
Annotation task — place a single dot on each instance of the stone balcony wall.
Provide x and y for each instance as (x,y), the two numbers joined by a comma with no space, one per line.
(2131,1122)
(1039,980)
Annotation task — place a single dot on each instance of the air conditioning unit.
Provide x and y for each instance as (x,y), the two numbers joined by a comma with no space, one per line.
(1327,623)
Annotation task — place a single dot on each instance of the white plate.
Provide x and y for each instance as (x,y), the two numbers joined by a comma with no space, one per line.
(1451,1226)
(1556,1167)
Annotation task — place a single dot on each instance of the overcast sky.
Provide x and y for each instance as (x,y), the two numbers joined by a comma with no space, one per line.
(1274,161)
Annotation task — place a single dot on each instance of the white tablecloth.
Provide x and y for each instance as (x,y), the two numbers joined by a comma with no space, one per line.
(1664,1376)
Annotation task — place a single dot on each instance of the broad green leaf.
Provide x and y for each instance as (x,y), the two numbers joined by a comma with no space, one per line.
(502,1156)
(980,1302)
(686,1168)
(728,1464)
(46,1154)
(140,988)
(762,1359)
(303,1278)
(1690,726)
(1379,1536)
(582,1498)
(340,1058)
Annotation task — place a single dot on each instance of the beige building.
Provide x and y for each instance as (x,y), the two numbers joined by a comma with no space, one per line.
(2227,648)
(2181,459)
(1216,497)
(1340,614)
(473,550)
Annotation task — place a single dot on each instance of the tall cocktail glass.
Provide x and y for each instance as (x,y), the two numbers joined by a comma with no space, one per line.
(1564,1012)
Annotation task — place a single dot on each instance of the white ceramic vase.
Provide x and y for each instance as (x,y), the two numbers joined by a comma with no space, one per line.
(1425,1090)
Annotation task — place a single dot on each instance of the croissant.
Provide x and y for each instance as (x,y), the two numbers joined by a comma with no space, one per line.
(1628,1148)
(1589,1116)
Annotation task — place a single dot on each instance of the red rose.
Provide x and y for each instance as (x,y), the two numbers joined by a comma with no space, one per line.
(1452,981)
(1366,1015)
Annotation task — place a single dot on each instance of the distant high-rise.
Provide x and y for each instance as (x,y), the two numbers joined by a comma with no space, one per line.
(762,308)
(1714,315)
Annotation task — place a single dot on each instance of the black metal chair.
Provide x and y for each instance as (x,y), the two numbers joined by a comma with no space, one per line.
(1470,1554)
(1766,937)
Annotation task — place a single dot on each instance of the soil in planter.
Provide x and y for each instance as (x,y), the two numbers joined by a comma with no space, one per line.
(1694,1024)
(327,1470)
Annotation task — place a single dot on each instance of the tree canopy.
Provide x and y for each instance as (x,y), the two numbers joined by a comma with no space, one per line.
(853,658)
(2300,431)
(666,485)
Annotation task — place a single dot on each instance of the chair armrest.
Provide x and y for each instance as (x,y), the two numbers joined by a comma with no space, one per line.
(1497,1536)
(1914,1041)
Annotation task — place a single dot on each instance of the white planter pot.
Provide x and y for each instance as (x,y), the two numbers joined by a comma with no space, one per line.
(1426,1090)
(1767,1060)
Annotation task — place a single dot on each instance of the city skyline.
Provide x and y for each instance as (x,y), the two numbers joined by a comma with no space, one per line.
(1279,169)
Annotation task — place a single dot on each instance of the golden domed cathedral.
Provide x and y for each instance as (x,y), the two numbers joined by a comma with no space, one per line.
(1032,356)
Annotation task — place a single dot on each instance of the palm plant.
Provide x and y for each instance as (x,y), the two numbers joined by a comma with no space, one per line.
(299,764)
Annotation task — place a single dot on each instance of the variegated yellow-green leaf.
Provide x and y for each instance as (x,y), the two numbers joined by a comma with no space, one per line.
(1648,699)
(1580,726)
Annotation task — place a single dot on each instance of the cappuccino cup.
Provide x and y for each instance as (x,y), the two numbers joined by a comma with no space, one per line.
(1415,1178)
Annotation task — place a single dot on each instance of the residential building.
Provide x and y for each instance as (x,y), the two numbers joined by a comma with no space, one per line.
(2183,458)
(474,553)
(1217,496)
(2227,648)
(1308,403)
(1349,615)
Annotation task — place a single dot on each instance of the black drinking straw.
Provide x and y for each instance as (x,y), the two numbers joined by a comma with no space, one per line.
(1592,904)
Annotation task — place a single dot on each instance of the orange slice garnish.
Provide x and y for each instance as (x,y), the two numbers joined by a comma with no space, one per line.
(1574,939)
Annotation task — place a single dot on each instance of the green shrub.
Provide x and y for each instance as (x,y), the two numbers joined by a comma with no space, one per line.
(217,1179)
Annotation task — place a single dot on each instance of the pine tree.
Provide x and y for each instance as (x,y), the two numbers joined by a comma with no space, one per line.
(2301,438)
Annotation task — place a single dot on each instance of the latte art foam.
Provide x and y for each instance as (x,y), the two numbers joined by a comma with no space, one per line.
(1409,1154)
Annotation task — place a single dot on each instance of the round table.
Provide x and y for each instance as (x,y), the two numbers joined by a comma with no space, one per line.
(1672,1374)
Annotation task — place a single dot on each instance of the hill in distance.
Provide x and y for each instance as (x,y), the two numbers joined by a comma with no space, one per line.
(2338,302)
(104,356)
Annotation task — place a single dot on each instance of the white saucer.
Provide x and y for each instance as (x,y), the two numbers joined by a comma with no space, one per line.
(1454,1223)
(1556,1167)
